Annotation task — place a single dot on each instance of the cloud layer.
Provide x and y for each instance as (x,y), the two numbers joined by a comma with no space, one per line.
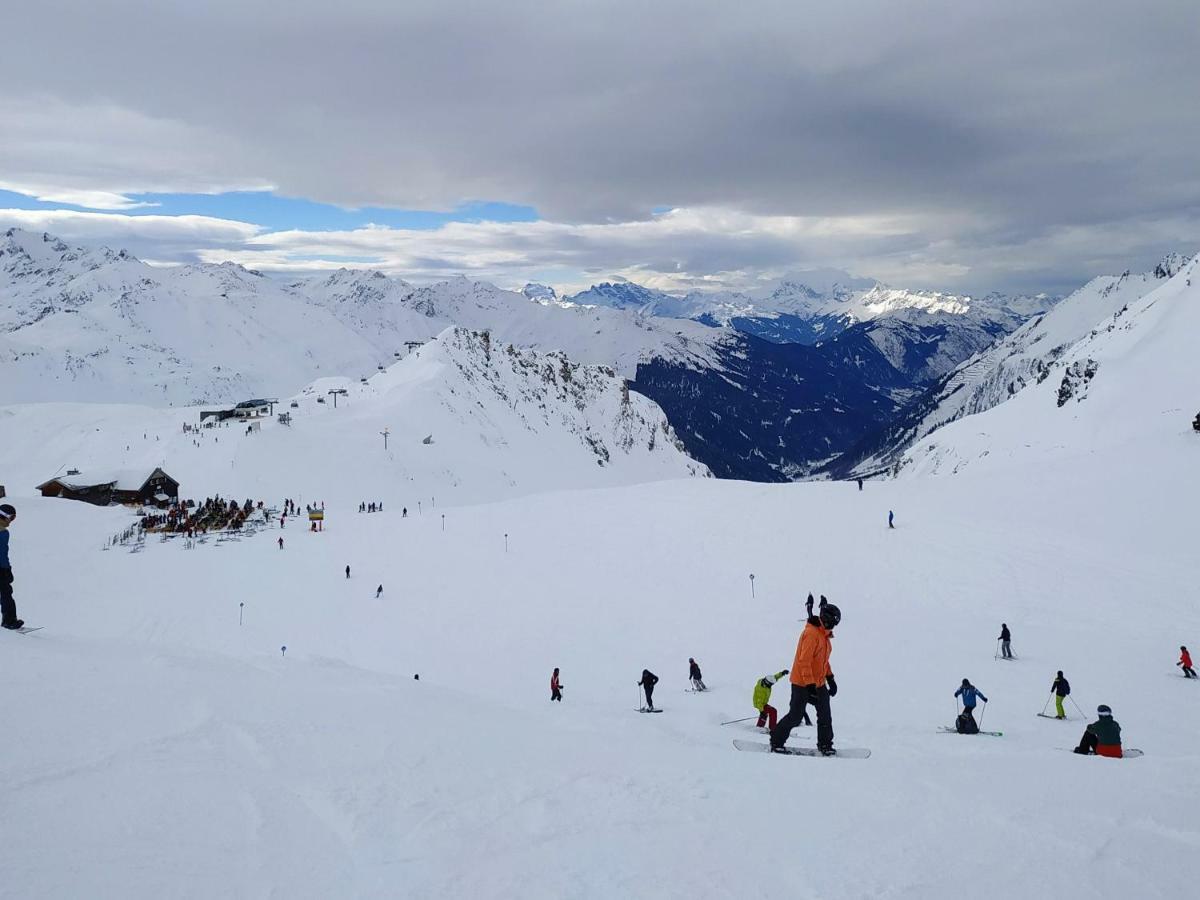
(990,144)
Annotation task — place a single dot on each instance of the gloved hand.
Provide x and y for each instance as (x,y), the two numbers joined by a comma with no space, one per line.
(823,602)
(808,604)
(832,685)
(812,694)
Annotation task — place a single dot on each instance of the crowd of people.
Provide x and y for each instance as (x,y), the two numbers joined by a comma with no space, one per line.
(214,514)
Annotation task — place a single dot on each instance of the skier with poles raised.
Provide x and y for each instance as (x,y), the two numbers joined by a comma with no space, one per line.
(649,680)
(694,675)
(964,722)
(812,679)
(1062,689)
(767,714)
(1102,737)
(1005,641)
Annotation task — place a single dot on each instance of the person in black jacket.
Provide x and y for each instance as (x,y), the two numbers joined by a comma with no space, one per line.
(1062,689)
(8,606)
(694,675)
(1005,641)
(649,680)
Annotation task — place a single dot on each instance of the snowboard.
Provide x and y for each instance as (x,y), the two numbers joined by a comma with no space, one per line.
(1126,753)
(644,710)
(846,752)
(24,630)
(944,730)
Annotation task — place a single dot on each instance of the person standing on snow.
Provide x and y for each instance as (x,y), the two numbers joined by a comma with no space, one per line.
(555,686)
(347,571)
(378,592)
(694,675)
(8,606)
(891,518)
(1062,689)
(966,719)
(649,680)
(281,543)
(1185,662)
(1102,737)
(1005,641)
(767,714)
(812,679)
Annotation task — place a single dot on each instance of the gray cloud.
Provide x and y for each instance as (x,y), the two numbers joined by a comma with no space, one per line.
(1000,130)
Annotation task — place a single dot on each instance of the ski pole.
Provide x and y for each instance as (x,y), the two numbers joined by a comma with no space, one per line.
(1076,705)
(996,654)
(982,713)
(732,721)
(1047,706)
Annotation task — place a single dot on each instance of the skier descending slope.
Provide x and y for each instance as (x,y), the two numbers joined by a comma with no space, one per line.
(1102,737)
(1005,641)
(649,680)
(812,679)
(694,675)
(965,723)
(1185,663)
(767,714)
(8,606)
(1062,689)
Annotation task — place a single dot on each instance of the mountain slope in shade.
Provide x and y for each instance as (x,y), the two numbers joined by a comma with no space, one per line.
(1000,372)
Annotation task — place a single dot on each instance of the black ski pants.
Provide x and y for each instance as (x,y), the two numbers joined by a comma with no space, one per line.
(556,694)
(8,607)
(1189,672)
(801,697)
(649,689)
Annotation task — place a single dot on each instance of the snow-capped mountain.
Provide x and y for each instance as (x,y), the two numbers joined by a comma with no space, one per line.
(1001,371)
(539,292)
(500,422)
(1128,388)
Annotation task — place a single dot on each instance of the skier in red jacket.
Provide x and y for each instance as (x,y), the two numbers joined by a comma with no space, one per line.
(1185,663)
(555,687)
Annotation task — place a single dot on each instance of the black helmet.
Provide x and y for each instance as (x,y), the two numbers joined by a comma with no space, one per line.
(965,682)
(830,616)
(1104,710)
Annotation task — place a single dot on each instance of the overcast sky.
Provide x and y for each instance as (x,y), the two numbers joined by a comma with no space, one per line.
(1015,146)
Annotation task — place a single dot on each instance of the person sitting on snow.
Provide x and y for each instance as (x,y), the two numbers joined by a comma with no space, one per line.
(1102,737)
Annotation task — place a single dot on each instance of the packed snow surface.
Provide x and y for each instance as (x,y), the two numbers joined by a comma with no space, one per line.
(155,747)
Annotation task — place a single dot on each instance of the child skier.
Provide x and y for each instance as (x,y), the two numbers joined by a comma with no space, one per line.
(1185,662)
(965,724)
(1062,689)
(1005,641)
(812,679)
(649,680)
(1102,737)
(767,714)
(8,607)
(555,687)
(694,675)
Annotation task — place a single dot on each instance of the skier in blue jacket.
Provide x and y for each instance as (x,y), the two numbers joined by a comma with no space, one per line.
(8,607)
(966,719)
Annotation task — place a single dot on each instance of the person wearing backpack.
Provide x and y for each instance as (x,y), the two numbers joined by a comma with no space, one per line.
(1062,690)
(649,680)
(965,723)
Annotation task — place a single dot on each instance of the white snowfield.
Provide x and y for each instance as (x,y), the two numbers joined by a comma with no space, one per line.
(156,748)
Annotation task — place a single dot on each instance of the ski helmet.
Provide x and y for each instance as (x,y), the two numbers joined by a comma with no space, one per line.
(1104,710)
(7,512)
(830,616)
(965,682)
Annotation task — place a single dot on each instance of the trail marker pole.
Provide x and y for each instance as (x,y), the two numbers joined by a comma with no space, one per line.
(506,542)
(385,437)
(241,607)
(443,521)
(751,585)
(283,650)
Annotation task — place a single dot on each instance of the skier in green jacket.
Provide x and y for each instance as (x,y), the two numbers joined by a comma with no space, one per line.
(762,700)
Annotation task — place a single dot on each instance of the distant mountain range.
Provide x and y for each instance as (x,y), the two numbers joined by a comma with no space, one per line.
(771,386)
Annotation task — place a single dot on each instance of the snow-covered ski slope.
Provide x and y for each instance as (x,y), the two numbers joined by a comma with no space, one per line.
(155,748)
(501,421)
